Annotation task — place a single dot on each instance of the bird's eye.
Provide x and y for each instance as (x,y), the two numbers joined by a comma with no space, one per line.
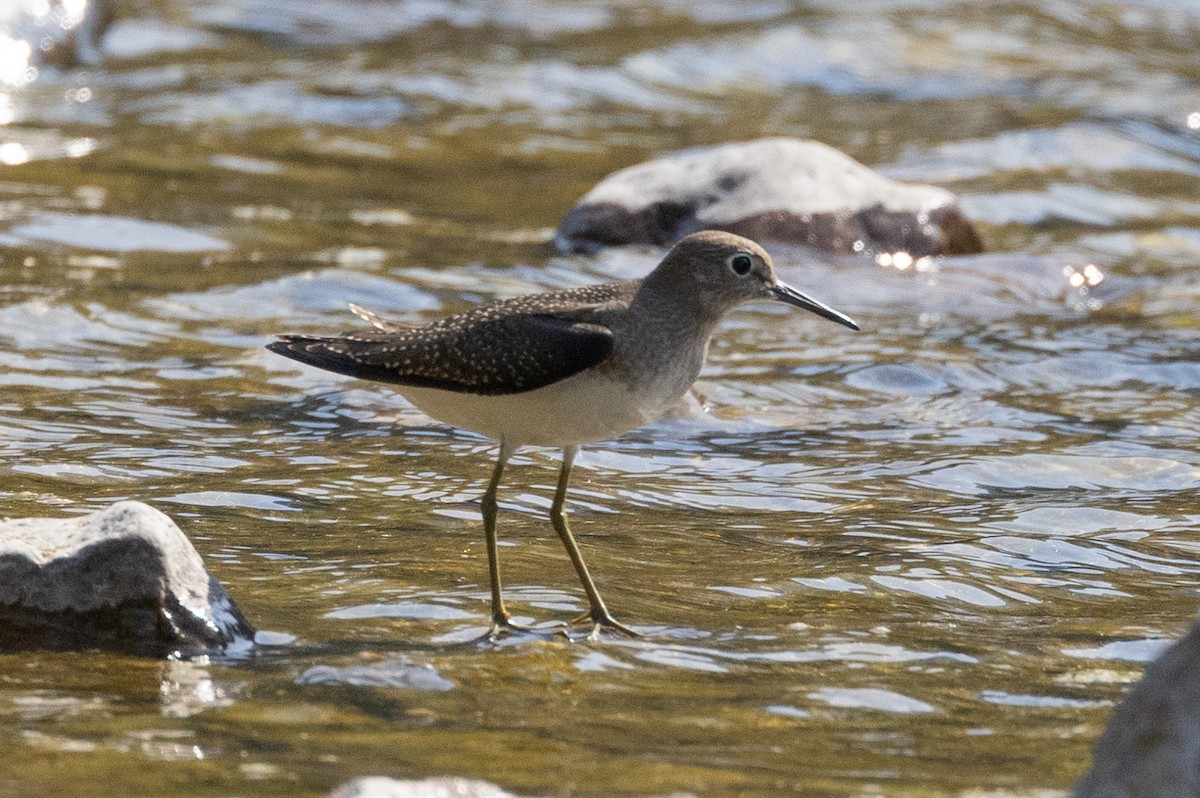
(741,265)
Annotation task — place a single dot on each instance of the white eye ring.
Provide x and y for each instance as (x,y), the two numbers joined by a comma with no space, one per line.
(741,264)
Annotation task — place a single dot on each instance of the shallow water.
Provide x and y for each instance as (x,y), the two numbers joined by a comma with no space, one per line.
(923,559)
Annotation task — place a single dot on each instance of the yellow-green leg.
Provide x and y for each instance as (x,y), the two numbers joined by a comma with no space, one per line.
(598,613)
(500,616)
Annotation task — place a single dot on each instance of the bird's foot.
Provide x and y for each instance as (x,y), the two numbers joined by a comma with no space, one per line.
(502,627)
(602,619)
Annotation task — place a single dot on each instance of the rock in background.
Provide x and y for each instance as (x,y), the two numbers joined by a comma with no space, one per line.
(124,579)
(54,32)
(787,190)
(1151,746)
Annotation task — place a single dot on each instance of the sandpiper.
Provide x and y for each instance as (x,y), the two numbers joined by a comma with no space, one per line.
(563,368)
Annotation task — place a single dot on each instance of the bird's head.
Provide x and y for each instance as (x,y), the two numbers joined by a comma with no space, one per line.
(722,271)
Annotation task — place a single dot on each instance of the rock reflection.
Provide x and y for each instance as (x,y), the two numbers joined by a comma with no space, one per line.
(188,688)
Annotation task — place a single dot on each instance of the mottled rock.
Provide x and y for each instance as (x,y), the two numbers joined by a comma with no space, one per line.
(779,189)
(447,787)
(1151,746)
(124,579)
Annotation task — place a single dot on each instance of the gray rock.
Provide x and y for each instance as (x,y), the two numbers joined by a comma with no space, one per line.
(125,579)
(787,190)
(447,787)
(1151,746)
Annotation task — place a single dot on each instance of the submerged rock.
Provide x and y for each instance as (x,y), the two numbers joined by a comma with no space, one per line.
(788,190)
(446,787)
(1151,746)
(398,672)
(124,579)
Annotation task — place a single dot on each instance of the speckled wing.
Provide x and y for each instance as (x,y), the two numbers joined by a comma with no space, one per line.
(473,353)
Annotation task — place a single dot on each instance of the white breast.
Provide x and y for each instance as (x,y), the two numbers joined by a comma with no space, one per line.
(589,406)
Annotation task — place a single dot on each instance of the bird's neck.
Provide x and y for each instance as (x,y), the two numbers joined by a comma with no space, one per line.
(678,307)
(672,332)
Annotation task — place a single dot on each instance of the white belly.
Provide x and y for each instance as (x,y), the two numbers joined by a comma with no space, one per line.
(589,406)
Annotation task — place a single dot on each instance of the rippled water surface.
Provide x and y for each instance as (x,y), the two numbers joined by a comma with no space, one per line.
(923,559)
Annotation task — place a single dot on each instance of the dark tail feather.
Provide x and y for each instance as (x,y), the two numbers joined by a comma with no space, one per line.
(314,351)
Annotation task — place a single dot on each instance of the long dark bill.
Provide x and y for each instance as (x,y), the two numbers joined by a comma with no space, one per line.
(785,293)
